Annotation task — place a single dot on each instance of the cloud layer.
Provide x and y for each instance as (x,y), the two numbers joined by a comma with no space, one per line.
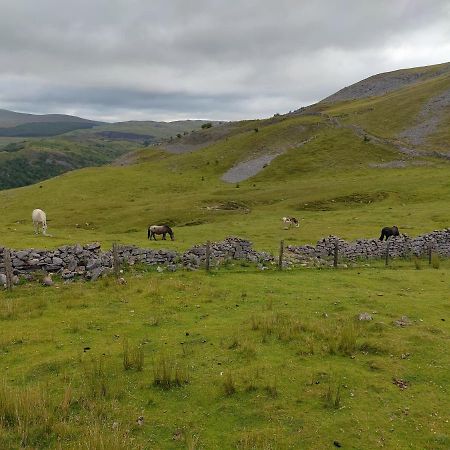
(216,59)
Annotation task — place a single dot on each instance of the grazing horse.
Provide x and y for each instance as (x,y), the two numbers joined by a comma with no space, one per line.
(387,232)
(39,218)
(290,221)
(153,230)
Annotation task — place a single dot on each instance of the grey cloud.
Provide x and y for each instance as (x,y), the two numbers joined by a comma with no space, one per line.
(128,58)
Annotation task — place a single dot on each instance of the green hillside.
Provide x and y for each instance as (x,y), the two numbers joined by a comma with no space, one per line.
(241,358)
(67,145)
(342,167)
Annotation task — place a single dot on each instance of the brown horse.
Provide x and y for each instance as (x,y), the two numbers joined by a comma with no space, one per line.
(153,230)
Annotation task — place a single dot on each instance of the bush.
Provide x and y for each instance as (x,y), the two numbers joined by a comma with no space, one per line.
(207,125)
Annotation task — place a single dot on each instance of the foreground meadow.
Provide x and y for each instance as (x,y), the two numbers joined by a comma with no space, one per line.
(237,358)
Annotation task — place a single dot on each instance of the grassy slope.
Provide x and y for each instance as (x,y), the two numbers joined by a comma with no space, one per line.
(39,159)
(271,337)
(388,115)
(329,183)
(119,202)
(159,130)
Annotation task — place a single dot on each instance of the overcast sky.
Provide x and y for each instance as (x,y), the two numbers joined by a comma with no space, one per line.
(213,59)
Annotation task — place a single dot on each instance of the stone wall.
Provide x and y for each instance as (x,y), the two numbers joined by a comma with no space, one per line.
(400,246)
(90,261)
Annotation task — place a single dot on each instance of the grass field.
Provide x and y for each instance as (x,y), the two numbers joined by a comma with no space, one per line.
(238,358)
(234,359)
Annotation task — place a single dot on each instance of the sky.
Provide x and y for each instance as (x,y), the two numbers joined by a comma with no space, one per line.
(118,60)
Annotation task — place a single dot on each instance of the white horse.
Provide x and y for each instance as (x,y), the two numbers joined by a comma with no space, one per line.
(290,221)
(39,218)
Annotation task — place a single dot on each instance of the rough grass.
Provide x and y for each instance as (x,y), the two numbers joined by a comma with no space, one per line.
(236,358)
(223,364)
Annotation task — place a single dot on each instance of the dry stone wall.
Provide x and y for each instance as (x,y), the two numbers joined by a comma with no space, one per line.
(90,261)
(400,246)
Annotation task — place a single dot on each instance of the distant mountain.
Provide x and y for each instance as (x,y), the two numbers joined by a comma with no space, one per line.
(15,124)
(36,147)
(12,119)
(145,131)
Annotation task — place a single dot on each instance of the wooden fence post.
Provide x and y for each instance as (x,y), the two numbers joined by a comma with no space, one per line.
(208,255)
(280,257)
(115,261)
(336,253)
(430,250)
(386,261)
(8,269)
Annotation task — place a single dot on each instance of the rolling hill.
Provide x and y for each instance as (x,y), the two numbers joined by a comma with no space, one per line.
(345,166)
(34,148)
(241,357)
(15,124)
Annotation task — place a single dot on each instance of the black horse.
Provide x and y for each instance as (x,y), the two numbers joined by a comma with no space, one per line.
(387,232)
(153,230)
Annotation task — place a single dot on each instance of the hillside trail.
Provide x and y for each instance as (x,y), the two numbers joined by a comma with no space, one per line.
(251,167)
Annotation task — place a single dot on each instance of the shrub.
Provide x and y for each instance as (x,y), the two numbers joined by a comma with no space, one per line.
(207,125)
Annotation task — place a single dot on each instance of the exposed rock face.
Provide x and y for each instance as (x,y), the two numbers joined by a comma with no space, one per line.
(89,261)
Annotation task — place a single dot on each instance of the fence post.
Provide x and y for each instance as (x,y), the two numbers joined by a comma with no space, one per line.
(386,261)
(8,269)
(336,253)
(280,257)
(208,255)
(430,250)
(115,261)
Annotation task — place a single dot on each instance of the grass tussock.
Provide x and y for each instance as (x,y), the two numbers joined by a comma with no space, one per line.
(343,339)
(417,263)
(8,309)
(435,261)
(168,373)
(98,382)
(283,327)
(257,439)
(133,356)
(27,412)
(229,384)
(99,437)
(332,395)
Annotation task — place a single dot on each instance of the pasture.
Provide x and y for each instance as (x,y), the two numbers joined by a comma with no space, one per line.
(233,359)
(238,358)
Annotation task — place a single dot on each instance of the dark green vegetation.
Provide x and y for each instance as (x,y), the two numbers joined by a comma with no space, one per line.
(241,358)
(24,162)
(235,359)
